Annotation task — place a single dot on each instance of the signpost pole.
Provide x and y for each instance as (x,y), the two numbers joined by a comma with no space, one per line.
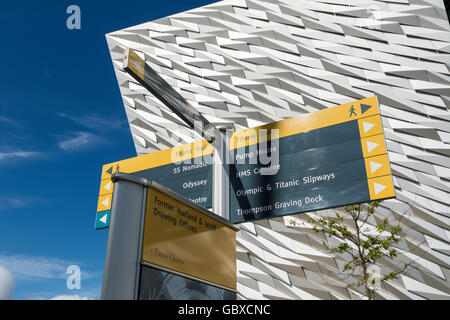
(221,180)
(122,254)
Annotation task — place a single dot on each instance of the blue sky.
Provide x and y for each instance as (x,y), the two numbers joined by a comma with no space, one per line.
(61,118)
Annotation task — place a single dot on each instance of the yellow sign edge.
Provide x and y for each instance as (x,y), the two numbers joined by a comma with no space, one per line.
(159,158)
(311,121)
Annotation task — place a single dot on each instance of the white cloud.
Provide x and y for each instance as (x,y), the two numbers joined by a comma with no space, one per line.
(95,122)
(27,267)
(90,294)
(18,154)
(78,140)
(100,127)
(7,284)
(70,297)
(11,202)
(9,121)
(18,201)
(39,268)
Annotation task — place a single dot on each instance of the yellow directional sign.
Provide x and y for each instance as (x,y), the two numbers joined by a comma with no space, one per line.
(381,187)
(136,64)
(184,239)
(373,146)
(104,202)
(370,126)
(106,187)
(184,169)
(328,158)
(377,166)
(320,119)
(159,158)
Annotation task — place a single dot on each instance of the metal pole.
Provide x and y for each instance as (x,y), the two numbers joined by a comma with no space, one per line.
(122,253)
(141,234)
(221,179)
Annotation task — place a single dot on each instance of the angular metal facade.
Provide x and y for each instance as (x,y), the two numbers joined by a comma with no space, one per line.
(252,62)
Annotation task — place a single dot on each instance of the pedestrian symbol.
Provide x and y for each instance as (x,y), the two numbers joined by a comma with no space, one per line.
(352,111)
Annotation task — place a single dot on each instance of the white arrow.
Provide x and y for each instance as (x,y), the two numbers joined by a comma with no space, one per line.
(104,218)
(378,187)
(367,126)
(374,166)
(105,202)
(108,186)
(371,146)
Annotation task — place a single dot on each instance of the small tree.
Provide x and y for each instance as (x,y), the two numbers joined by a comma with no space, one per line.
(366,244)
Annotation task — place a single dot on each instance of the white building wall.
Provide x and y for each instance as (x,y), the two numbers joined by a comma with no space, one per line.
(252,62)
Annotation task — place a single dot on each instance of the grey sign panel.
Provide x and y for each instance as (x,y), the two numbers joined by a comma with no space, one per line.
(318,169)
(156,284)
(194,184)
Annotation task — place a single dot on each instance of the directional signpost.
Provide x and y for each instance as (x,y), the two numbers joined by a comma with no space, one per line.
(163,246)
(184,169)
(329,158)
(160,226)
